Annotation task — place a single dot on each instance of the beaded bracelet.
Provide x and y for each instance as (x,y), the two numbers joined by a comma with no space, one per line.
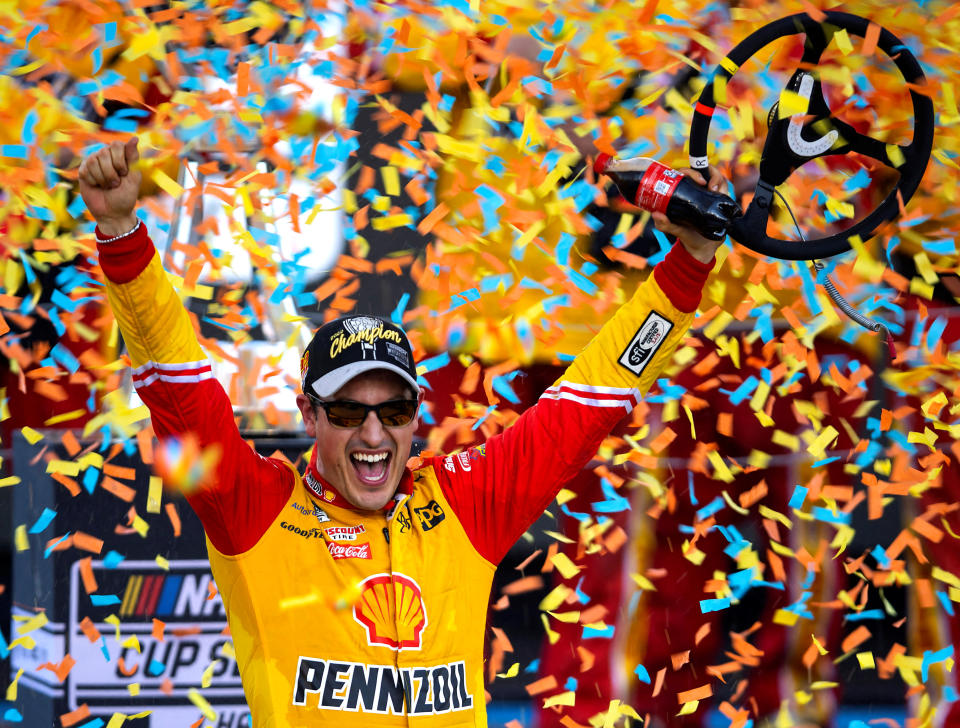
(118,237)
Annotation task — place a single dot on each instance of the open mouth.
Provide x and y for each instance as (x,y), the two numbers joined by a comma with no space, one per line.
(371,467)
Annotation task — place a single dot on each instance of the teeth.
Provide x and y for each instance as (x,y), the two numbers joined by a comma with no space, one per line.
(369,458)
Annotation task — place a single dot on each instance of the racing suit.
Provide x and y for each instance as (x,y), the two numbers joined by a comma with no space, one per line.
(344,617)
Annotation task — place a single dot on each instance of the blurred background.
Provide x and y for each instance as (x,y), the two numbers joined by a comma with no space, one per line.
(768,539)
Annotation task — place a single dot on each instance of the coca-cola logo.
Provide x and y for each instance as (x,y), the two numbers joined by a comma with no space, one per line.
(349,551)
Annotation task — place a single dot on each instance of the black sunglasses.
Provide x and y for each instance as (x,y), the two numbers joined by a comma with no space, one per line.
(345,414)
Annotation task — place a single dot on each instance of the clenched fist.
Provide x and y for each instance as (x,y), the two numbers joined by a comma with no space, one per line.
(110,185)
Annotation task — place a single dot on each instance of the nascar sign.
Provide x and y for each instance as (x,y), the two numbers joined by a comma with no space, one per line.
(194,647)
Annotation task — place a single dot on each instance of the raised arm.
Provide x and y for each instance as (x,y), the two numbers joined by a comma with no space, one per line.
(171,373)
(501,487)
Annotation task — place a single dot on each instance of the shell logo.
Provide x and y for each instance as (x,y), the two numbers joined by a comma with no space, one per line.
(391,610)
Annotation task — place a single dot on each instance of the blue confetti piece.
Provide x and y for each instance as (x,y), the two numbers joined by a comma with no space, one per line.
(945,602)
(396,316)
(76,208)
(65,358)
(605,633)
(932,658)
(16,151)
(693,496)
(712,507)
(29,134)
(935,333)
(112,560)
(91,476)
(4,648)
(570,684)
(642,675)
(45,519)
(743,391)
(51,547)
(827,516)
(103,649)
(155,668)
(501,386)
(869,614)
(433,363)
(97,59)
(12,715)
(110,32)
(714,605)
(799,495)
(533,666)
(880,555)
(614,503)
(104,600)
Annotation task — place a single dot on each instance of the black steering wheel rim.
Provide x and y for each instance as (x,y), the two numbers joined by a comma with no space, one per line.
(750,230)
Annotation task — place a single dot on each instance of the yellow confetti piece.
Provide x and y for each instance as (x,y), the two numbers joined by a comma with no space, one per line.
(643,582)
(827,437)
(133,689)
(390,222)
(945,576)
(693,554)
(820,648)
(31,435)
(64,417)
(12,687)
(154,494)
(552,636)
(843,41)
(63,467)
(568,698)
(866,660)
(20,538)
(391,180)
(115,621)
(132,642)
(788,619)
(202,705)
(895,155)
(823,685)
(559,537)
(512,671)
(734,506)
(785,439)
(31,623)
(564,565)
(792,103)
(773,515)
(720,469)
(166,184)
(116,720)
(162,563)
(140,526)
(9,480)
(555,598)
(565,495)
(207,676)
(689,708)
(566,617)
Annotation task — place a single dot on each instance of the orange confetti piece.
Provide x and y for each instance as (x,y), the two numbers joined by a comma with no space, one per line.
(86,542)
(70,443)
(158,627)
(870,39)
(74,717)
(701,693)
(86,575)
(174,518)
(542,685)
(62,669)
(89,629)
(123,492)
(520,586)
(860,635)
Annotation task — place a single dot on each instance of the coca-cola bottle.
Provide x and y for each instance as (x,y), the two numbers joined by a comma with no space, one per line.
(655,187)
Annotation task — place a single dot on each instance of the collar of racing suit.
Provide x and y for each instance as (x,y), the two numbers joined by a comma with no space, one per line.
(323,491)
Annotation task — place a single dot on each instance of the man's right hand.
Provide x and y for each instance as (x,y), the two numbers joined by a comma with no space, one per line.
(110,186)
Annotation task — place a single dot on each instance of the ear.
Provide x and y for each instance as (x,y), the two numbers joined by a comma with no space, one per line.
(309,414)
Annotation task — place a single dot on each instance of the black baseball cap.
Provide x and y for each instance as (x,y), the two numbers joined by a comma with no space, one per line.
(348,346)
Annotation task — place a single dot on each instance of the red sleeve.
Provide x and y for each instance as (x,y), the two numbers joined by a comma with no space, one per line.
(500,488)
(174,379)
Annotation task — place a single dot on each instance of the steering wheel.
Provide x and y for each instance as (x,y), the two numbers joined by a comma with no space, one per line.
(795,140)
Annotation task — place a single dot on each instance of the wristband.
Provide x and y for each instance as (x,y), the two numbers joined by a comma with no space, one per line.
(117,237)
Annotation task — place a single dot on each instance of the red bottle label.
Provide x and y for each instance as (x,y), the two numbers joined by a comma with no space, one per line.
(656,187)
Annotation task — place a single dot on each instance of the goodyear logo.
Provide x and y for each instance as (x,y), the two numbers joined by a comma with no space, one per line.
(383,689)
(391,611)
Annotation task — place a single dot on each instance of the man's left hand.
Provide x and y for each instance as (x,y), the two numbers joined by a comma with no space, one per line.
(701,248)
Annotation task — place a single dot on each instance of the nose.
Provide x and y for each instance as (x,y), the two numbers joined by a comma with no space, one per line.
(372,430)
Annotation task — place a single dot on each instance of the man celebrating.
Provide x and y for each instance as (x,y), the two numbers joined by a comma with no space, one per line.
(357,593)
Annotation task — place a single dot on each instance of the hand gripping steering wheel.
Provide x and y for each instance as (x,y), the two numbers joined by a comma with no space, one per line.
(795,140)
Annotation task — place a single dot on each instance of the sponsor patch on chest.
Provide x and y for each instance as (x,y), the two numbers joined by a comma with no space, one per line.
(344,533)
(349,550)
(645,343)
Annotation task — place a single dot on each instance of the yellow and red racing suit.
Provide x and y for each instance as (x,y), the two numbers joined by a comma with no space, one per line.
(342,617)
